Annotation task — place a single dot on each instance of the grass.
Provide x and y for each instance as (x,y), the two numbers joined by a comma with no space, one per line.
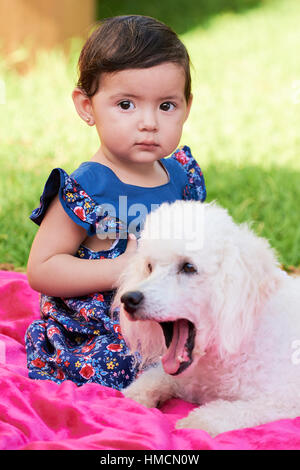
(243,128)
(181,15)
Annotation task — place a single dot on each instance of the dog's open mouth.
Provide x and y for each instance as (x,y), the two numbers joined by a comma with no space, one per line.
(180,340)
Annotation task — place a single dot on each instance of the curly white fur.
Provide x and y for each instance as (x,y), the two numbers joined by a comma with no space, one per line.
(246,312)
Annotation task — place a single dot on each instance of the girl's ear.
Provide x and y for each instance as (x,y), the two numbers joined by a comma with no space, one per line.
(189,105)
(83,106)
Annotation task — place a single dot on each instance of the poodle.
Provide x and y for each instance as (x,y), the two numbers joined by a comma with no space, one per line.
(213,318)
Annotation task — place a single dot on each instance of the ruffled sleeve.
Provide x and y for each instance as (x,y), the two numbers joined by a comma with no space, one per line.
(80,207)
(195,188)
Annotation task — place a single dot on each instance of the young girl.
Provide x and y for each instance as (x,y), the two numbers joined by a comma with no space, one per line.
(135,87)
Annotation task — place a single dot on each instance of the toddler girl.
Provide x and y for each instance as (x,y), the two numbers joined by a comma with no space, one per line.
(135,87)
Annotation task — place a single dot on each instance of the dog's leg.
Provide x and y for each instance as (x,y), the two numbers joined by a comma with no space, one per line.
(153,386)
(220,416)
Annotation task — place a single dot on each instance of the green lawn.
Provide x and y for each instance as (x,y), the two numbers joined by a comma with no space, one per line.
(243,128)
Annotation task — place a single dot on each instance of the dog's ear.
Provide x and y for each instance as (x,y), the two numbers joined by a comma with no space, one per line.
(248,275)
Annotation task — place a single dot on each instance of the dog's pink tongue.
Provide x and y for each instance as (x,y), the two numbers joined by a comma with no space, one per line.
(176,353)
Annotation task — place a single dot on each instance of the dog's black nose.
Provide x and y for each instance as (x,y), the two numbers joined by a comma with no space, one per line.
(132,300)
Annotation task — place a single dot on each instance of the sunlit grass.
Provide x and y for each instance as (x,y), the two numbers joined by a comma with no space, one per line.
(245,86)
(243,128)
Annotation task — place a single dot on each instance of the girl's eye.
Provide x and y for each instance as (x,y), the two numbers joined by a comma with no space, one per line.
(167,106)
(126,104)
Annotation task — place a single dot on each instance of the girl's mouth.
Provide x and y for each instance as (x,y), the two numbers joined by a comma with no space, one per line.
(148,145)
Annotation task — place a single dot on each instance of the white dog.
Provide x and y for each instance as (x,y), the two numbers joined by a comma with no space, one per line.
(214,310)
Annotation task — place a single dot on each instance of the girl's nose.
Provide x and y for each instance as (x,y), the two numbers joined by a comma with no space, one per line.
(148,121)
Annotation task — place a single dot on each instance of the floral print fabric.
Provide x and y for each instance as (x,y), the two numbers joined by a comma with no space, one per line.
(76,339)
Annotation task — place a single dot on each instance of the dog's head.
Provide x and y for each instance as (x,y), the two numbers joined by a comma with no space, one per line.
(198,281)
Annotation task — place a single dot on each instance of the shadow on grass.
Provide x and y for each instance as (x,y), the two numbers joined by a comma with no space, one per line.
(181,15)
(267,198)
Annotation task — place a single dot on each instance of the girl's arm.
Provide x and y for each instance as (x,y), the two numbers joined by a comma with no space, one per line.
(54,270)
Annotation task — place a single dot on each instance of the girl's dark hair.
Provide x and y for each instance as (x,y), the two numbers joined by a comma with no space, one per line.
(126,42)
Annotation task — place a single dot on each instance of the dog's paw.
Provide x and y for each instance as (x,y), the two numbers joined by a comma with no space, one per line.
(202,418)
(195,422)
(143,397)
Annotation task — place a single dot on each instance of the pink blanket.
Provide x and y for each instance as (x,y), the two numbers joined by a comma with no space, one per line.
(44,415)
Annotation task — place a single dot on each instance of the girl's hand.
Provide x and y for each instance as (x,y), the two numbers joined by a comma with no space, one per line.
(131,248)
(123,260)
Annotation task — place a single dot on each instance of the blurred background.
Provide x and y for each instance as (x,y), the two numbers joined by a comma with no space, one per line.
(243,128)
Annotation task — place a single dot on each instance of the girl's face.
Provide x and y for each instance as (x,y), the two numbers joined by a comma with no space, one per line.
(139,113)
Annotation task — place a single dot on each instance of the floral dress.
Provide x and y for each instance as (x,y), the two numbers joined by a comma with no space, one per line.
(78,338)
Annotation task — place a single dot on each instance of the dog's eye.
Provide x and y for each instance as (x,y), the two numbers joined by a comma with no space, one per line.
(149,266)
(188,268)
